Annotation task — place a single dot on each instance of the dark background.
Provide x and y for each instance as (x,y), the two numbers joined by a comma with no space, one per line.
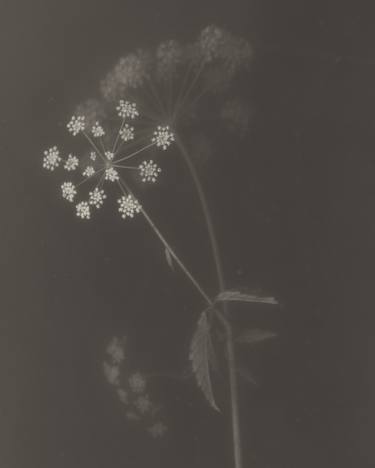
(293,204)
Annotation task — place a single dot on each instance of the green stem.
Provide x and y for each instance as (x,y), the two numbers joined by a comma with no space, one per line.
(236,432)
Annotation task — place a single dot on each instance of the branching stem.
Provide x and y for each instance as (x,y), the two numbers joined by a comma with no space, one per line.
(126,190)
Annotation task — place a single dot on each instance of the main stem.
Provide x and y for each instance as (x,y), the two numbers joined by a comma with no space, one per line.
(220,276)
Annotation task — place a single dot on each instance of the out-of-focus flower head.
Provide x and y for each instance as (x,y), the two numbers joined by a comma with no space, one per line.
(158,429)
(177,84)
(169,56)
(130,72)
(130,389)
(112,373)
(116,350)
(137,382)
(92,110)
(212,42)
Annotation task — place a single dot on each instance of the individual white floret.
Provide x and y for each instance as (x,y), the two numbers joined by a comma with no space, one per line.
(149,171)
(127,133)
(126,109)
(111,174)
(83,210)
(158,429)
(97,197)
(163,137)
(71,163)
(68,191)
(112,374)
(137,382)
(51,158)
(97,130)
(109,155)
(76,125)
(88,172)
(129,206)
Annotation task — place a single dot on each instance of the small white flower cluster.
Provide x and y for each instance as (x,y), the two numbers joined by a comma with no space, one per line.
(131,389)
(163,137)
(68,191)
(127,133)
(97,197)
(51,158)
(89,171)
(111,174)
(149,171)
(97,130)
(83,210)
(71,163)
(126,109)
(129,206)
(93,156)
(76,125)
(109,155)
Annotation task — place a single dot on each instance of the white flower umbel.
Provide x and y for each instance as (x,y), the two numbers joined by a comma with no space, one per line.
(97,130)
(93,156)
(76,125)
(149,171)
(88,172)
(163,137)
(97,197)
(111,174)
(129,206)
(109,155)
(71,163)
(137,382)
(126,109)
(68,191)
(51,158)
(83,210)
(127,133)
